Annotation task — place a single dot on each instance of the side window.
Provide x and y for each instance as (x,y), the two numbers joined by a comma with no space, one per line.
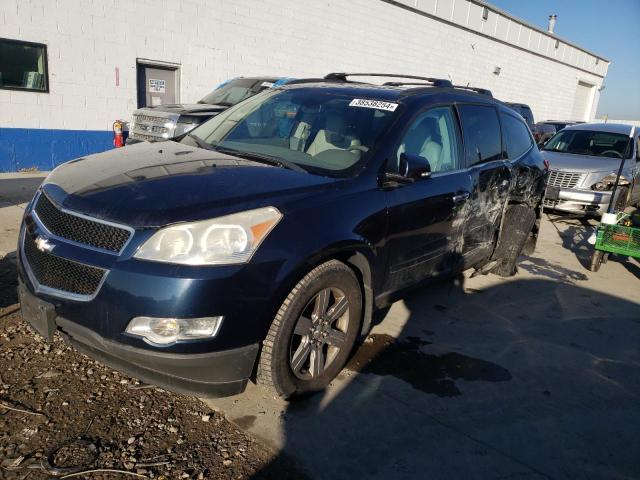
(481,131)
(516,135)
(434,136)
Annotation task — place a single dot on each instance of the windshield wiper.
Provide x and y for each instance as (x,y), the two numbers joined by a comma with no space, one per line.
(201,143)
(262,158)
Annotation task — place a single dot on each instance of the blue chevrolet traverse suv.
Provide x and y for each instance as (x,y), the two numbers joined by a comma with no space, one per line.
(260,244)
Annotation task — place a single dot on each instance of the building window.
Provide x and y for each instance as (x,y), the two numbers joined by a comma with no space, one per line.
(23,66)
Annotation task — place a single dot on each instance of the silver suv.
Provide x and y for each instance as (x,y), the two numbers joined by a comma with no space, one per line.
(164,122)
(584,160)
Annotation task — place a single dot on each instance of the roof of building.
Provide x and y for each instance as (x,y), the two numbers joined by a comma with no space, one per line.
(536,28)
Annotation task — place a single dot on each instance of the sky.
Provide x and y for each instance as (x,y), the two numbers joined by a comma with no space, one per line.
(610,28)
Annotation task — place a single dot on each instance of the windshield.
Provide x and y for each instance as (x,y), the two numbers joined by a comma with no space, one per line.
(318,130)
(588,142)
(231,92)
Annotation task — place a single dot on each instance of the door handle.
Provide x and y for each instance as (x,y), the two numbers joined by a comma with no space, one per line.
(461,197)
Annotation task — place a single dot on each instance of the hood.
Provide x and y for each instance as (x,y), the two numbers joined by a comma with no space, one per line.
(187,108)
(580,163)
(149,185)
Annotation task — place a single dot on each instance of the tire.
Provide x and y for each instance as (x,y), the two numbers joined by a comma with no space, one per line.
(532,239)
(298,337)
(596,260)
(516,229)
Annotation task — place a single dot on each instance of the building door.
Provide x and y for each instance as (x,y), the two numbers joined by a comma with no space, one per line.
(157,85)
(582,102)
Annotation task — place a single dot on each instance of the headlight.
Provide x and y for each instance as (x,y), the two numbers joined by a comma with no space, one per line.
(164,331)
(608,182)
(221,241)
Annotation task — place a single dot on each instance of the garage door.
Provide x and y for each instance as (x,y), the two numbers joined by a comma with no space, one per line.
(581,102)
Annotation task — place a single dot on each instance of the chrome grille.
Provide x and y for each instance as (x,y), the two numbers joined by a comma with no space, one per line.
(558,178)
(80,229)
(61,274)
(142,136)
(148,119)
(151,128)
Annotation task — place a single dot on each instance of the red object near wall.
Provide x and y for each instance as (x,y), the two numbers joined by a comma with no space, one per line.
(118,135)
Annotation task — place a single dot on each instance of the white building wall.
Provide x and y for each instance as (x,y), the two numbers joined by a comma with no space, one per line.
(217,39)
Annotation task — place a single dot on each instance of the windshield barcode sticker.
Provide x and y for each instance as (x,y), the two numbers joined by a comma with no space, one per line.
(377,104)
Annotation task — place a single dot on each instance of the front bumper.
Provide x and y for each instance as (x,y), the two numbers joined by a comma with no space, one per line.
(577,201)
(212,374)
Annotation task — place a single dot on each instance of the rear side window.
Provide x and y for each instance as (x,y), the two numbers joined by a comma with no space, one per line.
(481,132)
(516,135)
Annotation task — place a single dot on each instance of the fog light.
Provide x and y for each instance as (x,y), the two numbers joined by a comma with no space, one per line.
(164,331)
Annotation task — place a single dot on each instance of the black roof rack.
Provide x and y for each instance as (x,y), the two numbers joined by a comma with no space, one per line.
(436,82)
(311,80)
(418,84)
(481,91)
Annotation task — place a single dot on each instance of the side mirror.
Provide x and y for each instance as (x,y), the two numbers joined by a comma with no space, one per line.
(414,166)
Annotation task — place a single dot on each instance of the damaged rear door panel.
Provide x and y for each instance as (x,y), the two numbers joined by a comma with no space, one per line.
(490,175)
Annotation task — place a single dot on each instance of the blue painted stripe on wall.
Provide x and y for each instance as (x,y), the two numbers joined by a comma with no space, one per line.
(24,148)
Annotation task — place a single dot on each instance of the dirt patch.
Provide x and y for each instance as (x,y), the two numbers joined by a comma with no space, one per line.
(77,411)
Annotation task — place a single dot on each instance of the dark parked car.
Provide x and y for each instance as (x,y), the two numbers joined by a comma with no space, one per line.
(542,132)
(164,122)
(265,239)
(560,124)
(525,111)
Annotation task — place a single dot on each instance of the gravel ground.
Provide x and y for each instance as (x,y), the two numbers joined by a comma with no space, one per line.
(76,411)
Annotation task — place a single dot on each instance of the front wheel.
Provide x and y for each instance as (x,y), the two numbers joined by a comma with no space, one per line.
(597,259)
(313,333)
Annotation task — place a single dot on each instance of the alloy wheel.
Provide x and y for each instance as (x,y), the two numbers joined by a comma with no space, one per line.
(319,333)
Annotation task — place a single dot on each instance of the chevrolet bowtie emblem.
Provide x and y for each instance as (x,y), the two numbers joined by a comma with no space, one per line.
(43,244)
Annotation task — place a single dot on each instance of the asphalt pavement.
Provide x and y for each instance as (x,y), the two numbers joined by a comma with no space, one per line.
(535,376)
